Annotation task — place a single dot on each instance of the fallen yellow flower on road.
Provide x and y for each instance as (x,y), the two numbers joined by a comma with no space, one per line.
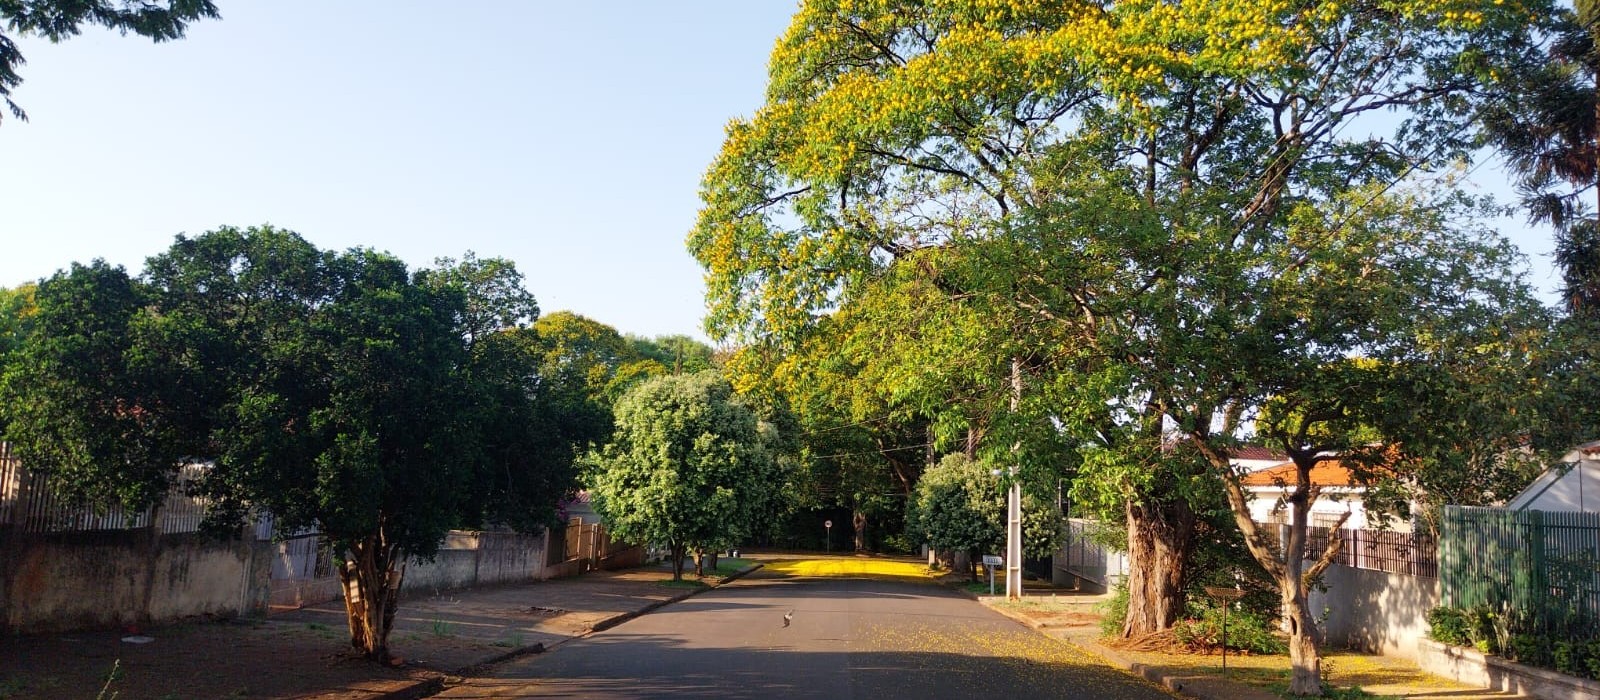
(852,568)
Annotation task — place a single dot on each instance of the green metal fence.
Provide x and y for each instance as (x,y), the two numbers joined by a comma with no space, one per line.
(1539,569)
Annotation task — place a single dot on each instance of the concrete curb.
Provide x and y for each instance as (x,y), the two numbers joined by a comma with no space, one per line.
(1201,687)
(416,691)
(535,648)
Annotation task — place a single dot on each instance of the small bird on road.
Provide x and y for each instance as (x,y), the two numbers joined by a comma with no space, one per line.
(788,616)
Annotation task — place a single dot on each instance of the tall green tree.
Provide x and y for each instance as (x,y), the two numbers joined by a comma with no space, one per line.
(82,406)
(492,290)
(688,467)
(595,354)
(59,20)
(959,505)
(337,397)
(534,413)
(1546,123)
(17,311)
(680,354)
(1133,183)
(337,391)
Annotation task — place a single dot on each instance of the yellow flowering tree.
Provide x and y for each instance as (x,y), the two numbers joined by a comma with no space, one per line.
(1155,203)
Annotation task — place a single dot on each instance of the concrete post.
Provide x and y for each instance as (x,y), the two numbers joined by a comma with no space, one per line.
(1014,499)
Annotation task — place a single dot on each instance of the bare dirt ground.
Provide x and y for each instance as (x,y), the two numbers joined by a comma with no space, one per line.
(305,653)
(243,659)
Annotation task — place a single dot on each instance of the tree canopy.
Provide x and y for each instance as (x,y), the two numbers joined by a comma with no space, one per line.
(1176,212)
(59,20)
(959,505)
(688,466)
(337,391)
(17,311)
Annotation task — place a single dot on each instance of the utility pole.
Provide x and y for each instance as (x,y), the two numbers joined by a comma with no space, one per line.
(1014,497)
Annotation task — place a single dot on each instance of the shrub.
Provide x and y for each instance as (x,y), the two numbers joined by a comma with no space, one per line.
(1484,628)
(1517,637)
(898,544)
(1448,626)
(1528,649)
(1564,657)
(1115,610)
(1247,631)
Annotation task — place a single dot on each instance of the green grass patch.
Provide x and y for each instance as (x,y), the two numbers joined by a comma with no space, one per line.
(321,630)
(513,641)
(728,567)
(982,587)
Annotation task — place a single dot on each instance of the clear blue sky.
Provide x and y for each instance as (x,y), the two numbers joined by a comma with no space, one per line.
(568,137)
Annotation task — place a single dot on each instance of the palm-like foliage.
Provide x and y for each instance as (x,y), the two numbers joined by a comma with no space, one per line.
(1548,130)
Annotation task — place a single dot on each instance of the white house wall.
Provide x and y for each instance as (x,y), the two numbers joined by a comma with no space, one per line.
(1329,505)
(1576,489)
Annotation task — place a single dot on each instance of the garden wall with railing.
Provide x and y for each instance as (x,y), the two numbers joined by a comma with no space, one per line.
(1521,584)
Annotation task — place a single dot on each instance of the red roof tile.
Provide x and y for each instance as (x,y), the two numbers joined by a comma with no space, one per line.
(1325,473)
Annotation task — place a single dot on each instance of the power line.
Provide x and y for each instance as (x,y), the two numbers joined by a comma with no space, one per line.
(876,452)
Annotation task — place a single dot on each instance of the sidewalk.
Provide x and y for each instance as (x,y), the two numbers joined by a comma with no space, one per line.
(1073,618)
(304,653)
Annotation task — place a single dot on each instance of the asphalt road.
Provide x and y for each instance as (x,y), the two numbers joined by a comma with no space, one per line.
(849,638)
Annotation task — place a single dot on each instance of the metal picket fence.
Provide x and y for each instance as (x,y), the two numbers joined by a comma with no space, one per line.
(1410,553)
(29,506)
(1539,569)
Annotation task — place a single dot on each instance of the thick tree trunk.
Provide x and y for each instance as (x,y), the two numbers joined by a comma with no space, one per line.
(1304,660)
(371,578)
(1160,540)
(960,558)
(858,520)
(677,560)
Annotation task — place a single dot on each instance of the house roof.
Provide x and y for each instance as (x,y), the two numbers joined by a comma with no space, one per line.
(1257,452)
(1326,473)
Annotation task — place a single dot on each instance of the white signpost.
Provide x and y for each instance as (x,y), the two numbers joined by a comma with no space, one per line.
(827,530)
(991,562)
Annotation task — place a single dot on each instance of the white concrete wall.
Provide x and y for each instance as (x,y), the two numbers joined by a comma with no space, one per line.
(468,559)
(1331,504)
(1501,676)
(116,579)
(1375,611)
